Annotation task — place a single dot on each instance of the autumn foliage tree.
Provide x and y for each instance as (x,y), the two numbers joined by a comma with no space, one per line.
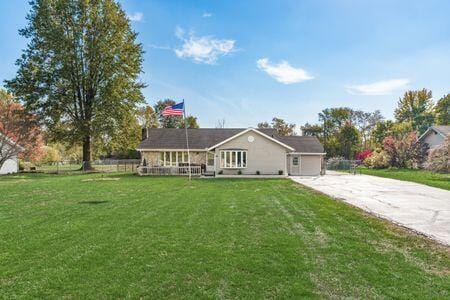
(147,117)
(439,158)
(19,132)
(406,152)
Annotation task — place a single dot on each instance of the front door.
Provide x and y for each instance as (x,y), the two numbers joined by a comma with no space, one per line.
(209,161)
(295,165)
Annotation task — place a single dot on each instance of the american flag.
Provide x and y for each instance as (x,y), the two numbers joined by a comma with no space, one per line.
(174,110)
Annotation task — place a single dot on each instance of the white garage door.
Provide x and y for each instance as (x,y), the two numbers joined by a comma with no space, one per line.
(310,165)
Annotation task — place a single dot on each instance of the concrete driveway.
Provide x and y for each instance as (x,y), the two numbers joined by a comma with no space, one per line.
(419,207)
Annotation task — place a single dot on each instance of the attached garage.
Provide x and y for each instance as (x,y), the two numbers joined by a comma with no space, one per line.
(307,158)
(304,164)
(310,165)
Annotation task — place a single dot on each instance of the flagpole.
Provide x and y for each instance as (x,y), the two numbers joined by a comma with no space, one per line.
(187,141)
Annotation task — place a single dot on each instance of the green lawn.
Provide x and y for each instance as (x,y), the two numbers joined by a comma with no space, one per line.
(124,236)
(420,176)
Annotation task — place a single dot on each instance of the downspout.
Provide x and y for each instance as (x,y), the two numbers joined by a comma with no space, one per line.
(285,164)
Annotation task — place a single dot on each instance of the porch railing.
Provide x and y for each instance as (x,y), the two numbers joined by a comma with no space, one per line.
(146,170)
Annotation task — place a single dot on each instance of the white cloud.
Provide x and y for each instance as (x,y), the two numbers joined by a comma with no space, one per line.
(385,87)
(283,72)
(207,15)
(205,49)
(136,16)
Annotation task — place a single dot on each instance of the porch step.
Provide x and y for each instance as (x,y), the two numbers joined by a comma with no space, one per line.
(207,174)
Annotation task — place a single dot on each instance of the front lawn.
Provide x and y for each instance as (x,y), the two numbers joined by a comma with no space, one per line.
(123,236)
(419,176)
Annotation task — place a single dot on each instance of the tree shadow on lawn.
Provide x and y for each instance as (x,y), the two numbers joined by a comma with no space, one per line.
(93,202)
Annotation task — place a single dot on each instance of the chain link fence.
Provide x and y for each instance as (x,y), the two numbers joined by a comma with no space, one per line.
(343,165)
(66,167)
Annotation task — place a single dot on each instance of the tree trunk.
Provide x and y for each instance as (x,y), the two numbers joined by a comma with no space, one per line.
(87,155)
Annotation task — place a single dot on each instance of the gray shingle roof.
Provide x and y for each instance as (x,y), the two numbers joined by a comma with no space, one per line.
(306,144)
(445,130)
(202,138)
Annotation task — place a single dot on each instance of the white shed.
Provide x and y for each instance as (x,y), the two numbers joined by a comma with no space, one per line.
(10,166)
(10,150)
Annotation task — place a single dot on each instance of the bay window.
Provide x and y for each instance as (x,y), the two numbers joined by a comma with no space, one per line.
(233,159)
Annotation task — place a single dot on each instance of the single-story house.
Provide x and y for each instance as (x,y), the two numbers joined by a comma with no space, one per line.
(230,151)
(435,136)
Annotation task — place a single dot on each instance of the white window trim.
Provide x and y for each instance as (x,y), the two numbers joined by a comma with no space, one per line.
(229,153)
(168,163)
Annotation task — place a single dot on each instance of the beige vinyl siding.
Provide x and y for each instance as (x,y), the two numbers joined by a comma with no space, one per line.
(263,155)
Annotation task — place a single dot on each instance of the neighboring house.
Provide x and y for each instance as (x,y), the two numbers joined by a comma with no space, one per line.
(435,136)
(11,165)
(232,151)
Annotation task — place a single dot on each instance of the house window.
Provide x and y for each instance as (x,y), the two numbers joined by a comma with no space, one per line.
(295,160)
(172,158)
(233,159)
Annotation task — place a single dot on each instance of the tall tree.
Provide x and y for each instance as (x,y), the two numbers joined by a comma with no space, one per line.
(349,140)
(19,132)
(173,121)
(167,122)
(312,130)
(365,122)
(416,107)
(80,70)
(380,131)
(333,119)
(147,117)
(442,111)
(263,125)
(282,127)
(122,142)
(191,122)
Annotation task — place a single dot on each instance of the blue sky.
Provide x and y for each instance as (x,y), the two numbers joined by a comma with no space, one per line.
(246,61)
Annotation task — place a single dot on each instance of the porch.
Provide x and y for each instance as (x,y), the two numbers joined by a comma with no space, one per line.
(175,162)
(176,170)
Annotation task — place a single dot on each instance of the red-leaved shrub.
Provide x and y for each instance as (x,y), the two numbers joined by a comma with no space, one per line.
(363,155)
